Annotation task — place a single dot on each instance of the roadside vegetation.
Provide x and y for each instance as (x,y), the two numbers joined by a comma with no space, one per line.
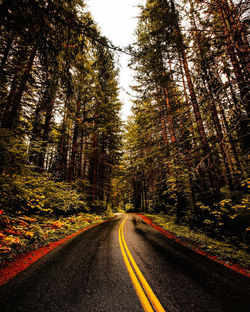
(228,250)
(187,142)
(60,129)
(66,160)
(22,234)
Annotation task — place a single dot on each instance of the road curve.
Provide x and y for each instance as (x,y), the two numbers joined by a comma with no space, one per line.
(90,273)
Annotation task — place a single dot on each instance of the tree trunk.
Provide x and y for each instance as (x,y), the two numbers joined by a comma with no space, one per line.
(48,118)
(15,100)
(211,90)
(74,143)
(208,161)
(203,138)
(240,62)
(5,54)
(187,145)
(80,168)
(93,166)
(36,135)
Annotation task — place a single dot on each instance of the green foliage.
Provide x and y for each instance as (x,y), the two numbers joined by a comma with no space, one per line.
(182,150)
(129,208)
(38,194)
(21,234)
(59,106)
(109,210)
(13,152)
(226,251)
(98,206)
(184,147)
(228,218)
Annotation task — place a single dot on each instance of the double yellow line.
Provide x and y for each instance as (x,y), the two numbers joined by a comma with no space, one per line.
(148,299)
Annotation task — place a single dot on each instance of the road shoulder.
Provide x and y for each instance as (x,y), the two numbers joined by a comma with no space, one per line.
(197,246)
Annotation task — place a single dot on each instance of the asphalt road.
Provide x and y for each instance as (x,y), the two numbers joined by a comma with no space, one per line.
(88,273)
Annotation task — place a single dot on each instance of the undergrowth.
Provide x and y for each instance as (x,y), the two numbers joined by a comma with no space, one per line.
(223,250)
(21,234)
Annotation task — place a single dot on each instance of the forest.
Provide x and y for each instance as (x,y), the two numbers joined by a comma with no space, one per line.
(66,156)
(187,141)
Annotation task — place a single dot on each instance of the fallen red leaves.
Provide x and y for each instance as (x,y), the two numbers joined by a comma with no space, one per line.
(10,269)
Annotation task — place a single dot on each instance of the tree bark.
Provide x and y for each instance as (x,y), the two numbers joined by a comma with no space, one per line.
(48,118)
(211,90)
(74,142)
(5,54)
(14,104)
(240,61)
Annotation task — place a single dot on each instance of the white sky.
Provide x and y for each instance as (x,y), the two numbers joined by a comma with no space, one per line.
(117,21)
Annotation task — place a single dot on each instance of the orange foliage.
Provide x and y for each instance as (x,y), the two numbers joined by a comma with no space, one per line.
(56,225)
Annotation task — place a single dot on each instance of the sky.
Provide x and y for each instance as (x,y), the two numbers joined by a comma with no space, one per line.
(117,21)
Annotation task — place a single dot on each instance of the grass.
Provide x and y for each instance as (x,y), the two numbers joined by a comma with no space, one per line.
(21,234)
(224,251)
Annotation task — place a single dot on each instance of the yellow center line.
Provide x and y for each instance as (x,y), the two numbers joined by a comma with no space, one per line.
(144,300)
(142,296)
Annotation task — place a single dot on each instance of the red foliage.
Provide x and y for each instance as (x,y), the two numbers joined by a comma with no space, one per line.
(9,269)
(56,225)
(12,232)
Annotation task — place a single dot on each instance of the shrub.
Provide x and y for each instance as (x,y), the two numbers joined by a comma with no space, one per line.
(38,194)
